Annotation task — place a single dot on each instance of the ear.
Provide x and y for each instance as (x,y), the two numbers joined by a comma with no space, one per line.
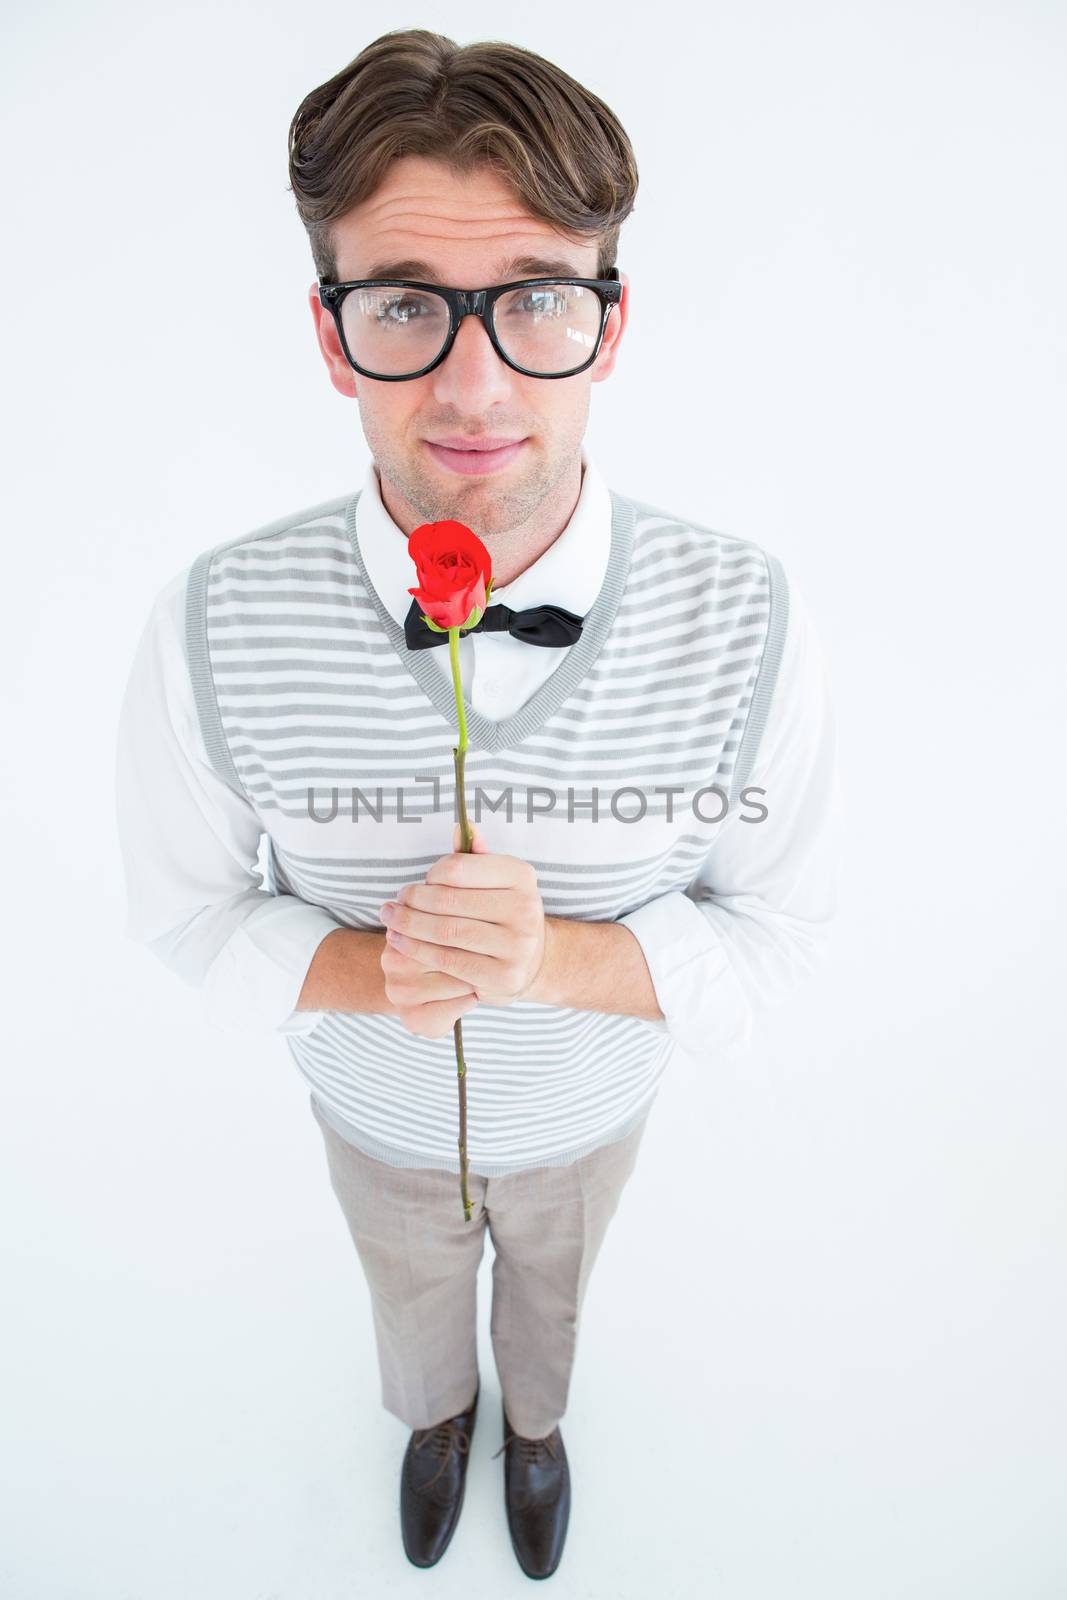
(478,844)
(618,317)
(342,375)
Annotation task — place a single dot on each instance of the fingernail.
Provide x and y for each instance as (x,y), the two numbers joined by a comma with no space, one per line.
(386,911)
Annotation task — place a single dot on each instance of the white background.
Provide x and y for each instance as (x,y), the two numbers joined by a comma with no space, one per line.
(822,1350)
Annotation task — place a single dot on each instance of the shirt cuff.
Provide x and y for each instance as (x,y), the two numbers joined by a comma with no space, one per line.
(255,980)
(704,1005)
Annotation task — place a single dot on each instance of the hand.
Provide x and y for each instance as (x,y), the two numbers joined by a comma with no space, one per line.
(426,1002)
(477,920)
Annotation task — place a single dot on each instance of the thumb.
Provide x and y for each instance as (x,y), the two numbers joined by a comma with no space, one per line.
(478,844)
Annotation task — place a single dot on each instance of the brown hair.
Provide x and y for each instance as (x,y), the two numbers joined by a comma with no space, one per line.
(415,93)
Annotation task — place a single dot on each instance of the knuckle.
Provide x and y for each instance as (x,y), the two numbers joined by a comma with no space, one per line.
(448,899)
(445,958)
(419,1024)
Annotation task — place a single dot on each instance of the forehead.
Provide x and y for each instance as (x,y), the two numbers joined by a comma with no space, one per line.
(426,221)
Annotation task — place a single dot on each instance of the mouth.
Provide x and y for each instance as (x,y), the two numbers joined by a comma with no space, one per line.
(476,461)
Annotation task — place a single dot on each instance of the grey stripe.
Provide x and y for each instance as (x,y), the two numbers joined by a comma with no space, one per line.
(320,732)
(207,707)
(359,659)
(768,675)
(350,609)
(304,596)
(341,764)
(526,785)
(333,548)
(631,881)
(416,863)
(378,654)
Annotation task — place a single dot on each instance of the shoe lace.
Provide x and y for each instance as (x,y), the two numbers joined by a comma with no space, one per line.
(530,1449)
(442,1439)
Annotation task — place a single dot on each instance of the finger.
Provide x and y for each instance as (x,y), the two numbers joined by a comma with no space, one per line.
(415,988)
(449,932)
(479,869)
(437,1017)
(445,900)
(415,982)
(481,972)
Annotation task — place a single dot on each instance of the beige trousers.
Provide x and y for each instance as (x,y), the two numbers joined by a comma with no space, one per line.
(420,1258)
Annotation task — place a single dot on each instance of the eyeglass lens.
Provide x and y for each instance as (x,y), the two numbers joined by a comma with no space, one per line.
(549,328)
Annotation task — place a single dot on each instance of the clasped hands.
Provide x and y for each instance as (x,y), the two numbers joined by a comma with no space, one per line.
(473,931)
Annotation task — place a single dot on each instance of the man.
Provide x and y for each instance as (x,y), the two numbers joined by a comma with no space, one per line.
(658,857)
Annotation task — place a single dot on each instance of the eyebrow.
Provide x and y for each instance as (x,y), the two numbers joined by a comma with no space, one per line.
(521,266)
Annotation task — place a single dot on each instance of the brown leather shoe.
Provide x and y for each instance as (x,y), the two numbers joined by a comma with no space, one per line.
(537,1493)
(433,1481)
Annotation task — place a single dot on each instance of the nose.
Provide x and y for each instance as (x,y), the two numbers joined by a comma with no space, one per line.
(472,369)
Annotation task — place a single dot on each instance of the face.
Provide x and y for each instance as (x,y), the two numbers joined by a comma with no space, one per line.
(465,229)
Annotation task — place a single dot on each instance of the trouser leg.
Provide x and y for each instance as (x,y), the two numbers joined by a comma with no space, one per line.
(420,1259)
(547,1226)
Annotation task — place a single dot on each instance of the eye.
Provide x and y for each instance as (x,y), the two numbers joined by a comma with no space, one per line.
(408,307)
(539,302)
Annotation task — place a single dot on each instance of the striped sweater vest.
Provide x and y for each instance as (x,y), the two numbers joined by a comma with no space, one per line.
(610,781)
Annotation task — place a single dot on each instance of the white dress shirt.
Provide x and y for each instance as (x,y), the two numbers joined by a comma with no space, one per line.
(499,673)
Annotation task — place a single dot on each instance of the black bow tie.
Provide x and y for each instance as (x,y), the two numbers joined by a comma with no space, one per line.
(545,625)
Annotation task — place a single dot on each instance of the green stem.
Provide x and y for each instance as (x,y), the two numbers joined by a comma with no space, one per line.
(459,751)
(453,652)
(466,842)
(461,1068)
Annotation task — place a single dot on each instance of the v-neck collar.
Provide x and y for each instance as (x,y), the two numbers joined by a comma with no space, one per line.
(483,733)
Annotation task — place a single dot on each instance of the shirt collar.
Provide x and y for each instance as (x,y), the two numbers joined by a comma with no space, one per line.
(569,573)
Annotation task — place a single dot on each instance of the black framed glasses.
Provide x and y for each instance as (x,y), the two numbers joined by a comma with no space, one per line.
(394,329)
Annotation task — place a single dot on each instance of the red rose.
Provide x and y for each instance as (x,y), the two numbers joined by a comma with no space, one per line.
(455,573)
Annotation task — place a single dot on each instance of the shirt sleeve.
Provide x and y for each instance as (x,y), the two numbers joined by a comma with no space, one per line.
(189,847)
(755,919)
